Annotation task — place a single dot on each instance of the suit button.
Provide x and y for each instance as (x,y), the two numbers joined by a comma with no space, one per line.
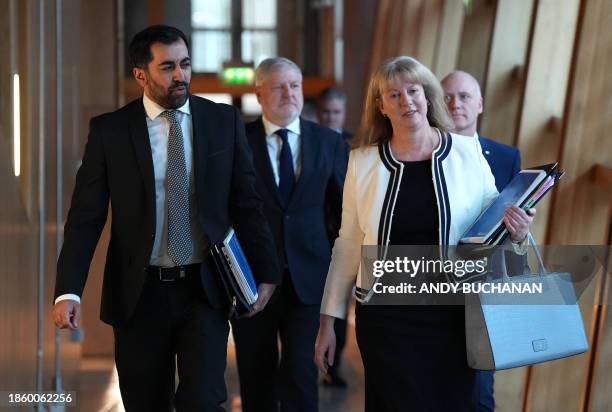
(144,269)
(287,217)
(152,235)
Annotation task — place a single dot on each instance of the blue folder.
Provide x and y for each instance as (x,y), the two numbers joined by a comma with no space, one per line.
(236,274)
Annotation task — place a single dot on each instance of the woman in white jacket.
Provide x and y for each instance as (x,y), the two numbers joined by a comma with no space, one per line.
(410,182)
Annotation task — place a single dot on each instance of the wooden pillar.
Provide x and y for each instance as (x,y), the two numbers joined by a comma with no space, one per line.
(506,70)
(476,39)
(446,52)
(358,32)
(581,211)
(543,101)
(553,385)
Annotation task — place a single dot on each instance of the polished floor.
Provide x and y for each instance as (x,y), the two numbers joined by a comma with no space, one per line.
(99,388)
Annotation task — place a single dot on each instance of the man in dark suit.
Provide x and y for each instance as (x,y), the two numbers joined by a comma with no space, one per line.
(464,101)
(178,173)
(300,173)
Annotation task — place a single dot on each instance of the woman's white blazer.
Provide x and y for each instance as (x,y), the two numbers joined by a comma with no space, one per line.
(463,184)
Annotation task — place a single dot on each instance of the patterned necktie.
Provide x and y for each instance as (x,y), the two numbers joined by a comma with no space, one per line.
(286,175)
(177,194)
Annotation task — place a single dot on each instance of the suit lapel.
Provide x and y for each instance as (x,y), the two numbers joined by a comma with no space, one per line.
(202,131)
(484,145)
(262,160)
(142,147)
(309,150)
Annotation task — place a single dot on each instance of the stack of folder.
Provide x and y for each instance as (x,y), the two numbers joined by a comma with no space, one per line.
(525,191)
(235,273)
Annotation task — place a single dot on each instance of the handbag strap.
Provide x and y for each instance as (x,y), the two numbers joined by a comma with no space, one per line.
(536,249)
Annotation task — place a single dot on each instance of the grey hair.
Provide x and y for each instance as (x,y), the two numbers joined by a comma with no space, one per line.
(271,64)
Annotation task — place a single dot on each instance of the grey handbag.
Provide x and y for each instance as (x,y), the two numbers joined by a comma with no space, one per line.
(504,331)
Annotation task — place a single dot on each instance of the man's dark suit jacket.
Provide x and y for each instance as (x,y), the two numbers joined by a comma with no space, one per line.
(346,135)
(504,160)
(118,166)
(300,231)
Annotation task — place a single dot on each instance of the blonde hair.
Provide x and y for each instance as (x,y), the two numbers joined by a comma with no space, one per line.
(375,128)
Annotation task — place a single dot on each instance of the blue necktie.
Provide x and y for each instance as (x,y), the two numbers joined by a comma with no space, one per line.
(285,170)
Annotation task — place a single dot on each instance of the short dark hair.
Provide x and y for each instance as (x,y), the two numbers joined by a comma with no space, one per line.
(140,46)
(330,93)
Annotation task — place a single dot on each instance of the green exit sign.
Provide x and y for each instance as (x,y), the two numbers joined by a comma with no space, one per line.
(238,75)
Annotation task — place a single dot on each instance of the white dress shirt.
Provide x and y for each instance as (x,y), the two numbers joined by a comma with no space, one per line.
(159,128)
(274,144)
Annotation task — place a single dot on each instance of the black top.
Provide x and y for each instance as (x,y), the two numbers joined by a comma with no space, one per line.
(415,216)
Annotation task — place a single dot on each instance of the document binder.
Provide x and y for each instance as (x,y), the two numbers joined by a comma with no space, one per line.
(235,273)
(525,190)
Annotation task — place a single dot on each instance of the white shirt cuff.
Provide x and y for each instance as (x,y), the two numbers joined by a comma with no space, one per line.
(68,296)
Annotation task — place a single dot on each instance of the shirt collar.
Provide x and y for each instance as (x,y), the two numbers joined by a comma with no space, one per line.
(271,128)
(153,109)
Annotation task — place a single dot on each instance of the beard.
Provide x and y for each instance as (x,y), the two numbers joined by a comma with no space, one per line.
(166,97)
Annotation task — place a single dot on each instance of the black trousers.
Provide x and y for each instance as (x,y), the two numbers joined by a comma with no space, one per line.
(173,326)
(414,359)
(267,382)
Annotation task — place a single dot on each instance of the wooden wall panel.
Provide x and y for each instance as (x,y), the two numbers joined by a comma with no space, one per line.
(509,390)
(384,17)
(506,70)
(581,212)
(559,385)
(358,32)
(543,102)
(411,28)
(581,208)
(446,52)
(600,398)
(543,138)
(476,38)
(430,19)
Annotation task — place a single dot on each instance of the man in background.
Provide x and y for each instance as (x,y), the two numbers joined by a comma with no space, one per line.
(331,110)
(464,102)
(300,170)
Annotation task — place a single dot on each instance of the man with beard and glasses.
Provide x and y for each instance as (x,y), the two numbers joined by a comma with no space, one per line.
(178,172)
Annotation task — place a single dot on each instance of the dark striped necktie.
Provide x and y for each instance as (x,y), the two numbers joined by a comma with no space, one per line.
(177,194)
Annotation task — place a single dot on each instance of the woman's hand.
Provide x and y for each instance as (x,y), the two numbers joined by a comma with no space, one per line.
(518,221)
(325,348)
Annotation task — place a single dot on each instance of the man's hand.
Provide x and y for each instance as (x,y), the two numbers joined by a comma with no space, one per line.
(264,292)
(67,314)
